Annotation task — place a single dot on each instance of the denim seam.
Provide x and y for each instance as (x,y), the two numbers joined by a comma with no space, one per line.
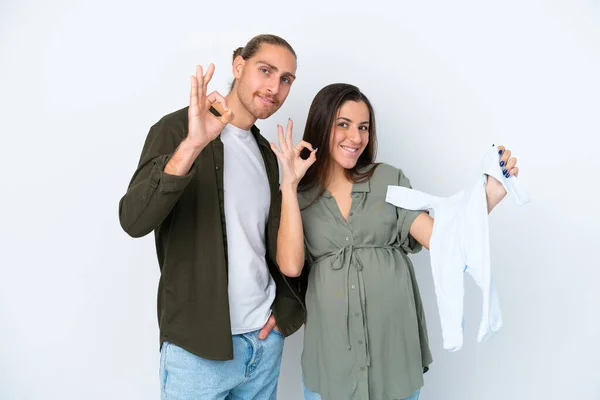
(164,367)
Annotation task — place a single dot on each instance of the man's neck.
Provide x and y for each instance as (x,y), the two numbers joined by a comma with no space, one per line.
(241,117)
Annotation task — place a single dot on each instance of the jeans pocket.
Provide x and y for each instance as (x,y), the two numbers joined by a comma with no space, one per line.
(276,332)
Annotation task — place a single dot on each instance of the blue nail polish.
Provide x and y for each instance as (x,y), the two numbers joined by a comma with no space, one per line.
(505,171)
(502,163)
(500,152)
(507,175)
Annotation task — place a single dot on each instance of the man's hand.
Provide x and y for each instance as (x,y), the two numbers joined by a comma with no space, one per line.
(203,125)
(271,324)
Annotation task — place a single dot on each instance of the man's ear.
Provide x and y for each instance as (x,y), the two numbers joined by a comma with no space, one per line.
(238,67)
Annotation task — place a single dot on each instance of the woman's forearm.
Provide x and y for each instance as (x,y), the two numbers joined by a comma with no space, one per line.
(290,239)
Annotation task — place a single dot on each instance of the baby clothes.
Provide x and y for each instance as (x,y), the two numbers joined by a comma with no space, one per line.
(460,243)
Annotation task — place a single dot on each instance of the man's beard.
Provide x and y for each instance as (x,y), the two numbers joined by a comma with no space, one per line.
(260,110)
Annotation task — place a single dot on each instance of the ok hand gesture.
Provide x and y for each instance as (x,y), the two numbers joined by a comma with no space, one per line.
(293,167)
(203,126)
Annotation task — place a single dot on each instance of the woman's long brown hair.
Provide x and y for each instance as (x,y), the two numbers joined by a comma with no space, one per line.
(319,123)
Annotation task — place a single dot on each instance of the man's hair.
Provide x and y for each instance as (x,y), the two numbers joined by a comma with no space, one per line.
(254,45)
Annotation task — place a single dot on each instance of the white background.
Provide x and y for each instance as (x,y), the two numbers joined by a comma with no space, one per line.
(81,83)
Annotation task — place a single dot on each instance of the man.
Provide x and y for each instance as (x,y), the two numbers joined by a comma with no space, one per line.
(207,184)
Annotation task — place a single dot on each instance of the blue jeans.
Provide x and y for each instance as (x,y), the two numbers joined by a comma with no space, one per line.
(310,395)
(252,374)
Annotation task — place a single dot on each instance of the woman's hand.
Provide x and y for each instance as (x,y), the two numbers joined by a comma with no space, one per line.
(293,167)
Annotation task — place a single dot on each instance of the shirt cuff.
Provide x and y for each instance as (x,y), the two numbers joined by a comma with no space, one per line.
(168,183)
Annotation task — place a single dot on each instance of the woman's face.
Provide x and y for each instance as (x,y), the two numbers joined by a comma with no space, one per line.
(349,133)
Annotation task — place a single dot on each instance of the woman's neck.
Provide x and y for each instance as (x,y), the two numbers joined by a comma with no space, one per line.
(337,179)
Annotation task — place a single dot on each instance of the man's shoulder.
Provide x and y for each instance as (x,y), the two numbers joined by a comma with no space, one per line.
(176,120)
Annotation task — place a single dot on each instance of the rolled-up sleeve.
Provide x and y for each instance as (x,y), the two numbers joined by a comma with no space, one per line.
(405,220)
(152,193)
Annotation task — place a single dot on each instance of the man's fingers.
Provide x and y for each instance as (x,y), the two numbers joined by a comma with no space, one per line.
(227,117)
(216,97)
(264,332)
(193,92)
(208,76)
(200,78)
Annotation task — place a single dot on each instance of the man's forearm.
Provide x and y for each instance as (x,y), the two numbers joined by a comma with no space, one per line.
(181,161)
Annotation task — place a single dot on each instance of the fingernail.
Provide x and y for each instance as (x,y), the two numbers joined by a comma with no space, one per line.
(500,152)
(313,147)
(504,171)
(502,163)
(507,175)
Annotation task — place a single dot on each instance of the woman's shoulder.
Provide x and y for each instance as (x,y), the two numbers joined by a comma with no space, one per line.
(386,174)
(308,197)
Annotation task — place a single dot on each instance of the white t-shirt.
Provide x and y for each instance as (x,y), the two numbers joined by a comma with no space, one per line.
(247,201)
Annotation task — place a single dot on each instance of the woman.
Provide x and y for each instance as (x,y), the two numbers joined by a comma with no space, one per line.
(365,335)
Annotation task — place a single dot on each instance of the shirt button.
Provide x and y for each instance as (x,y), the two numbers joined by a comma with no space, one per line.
(362,368)
(351,214)
(353,287)
(347,239)
(356,314)
(217,167)
(360,342)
